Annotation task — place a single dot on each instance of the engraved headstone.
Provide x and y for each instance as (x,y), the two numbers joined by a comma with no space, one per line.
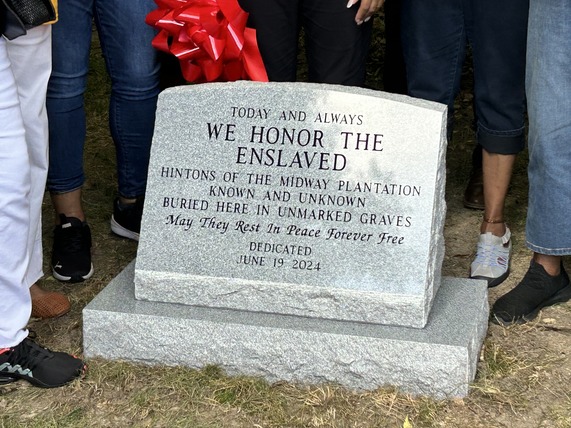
(298,199)
(295,232)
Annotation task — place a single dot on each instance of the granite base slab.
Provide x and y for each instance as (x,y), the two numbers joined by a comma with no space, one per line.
(439,360)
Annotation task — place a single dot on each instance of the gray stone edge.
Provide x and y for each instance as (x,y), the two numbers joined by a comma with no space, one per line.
(321,87)
(438,222)
(281,298)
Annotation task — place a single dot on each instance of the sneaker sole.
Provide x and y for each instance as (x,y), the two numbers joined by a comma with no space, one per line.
(493,282)
(5,380)
(561,296)
(40,384)
(117,229)
(76,278)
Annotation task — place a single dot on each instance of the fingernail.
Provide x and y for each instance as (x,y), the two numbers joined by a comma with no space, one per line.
(351,3)
(359,21)
(367,19)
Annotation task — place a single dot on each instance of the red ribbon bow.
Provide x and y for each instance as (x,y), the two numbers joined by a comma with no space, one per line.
(209,38)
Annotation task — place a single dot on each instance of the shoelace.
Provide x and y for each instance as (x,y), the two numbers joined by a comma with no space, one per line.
(28,354)
(489,255)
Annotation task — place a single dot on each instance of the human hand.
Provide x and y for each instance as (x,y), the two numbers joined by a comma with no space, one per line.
(366,9)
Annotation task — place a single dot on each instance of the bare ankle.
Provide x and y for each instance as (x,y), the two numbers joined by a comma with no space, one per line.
(127,201)
(551,264)
(68,204)
(497,228)
(36,291)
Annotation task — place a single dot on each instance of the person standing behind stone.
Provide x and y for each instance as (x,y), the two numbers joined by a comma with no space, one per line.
(133,66)
(435,36)
(337,37)
(548,227)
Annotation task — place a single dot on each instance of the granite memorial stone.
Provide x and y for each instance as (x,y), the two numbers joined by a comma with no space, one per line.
(295,232)
(298,199)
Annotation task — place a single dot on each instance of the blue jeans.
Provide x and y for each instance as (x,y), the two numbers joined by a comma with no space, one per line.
(548,83)
(435,34)
(133,67)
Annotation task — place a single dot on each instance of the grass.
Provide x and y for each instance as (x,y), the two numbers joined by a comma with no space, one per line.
(522,380)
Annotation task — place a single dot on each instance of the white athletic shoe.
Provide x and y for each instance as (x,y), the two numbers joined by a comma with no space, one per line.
(492,261)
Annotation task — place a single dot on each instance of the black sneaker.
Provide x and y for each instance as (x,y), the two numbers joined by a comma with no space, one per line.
(126,219)
(536,290)
(71,253)
(39,366)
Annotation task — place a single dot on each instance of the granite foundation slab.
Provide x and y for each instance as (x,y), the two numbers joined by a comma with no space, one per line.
(439,360)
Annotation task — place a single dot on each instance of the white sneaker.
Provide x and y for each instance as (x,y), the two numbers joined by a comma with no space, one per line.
(492,261)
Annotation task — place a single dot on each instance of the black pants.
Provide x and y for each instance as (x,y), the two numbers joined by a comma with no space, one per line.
(335,45)
(435,34)
(394,74)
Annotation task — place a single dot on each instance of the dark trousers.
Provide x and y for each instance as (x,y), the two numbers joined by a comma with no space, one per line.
(336,47)
(435,35)
(394,74)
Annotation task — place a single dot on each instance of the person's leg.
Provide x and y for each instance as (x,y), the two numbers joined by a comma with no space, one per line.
(492,260)
(336,47)
(23,142)
(134,69)
(498,43)
(434,41)
(277,31)
(69,204)
(71,251)
(548,85)
(498,38)
(31,64)
(497,172)
(65,105)
(394,71)
(551,264)
(474,192)
(15,184)
(434,37)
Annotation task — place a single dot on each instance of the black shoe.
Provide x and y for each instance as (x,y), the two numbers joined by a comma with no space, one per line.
(71,253)
(536,290)
(126,219)
(39,366)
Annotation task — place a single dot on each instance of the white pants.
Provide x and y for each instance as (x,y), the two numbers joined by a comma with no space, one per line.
(25,66)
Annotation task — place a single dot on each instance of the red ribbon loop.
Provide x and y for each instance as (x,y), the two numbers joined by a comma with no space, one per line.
(209,38)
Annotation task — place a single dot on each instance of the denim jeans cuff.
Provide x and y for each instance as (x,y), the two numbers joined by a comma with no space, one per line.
(548,251)
(503,143)
(55,190)
(137,196)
